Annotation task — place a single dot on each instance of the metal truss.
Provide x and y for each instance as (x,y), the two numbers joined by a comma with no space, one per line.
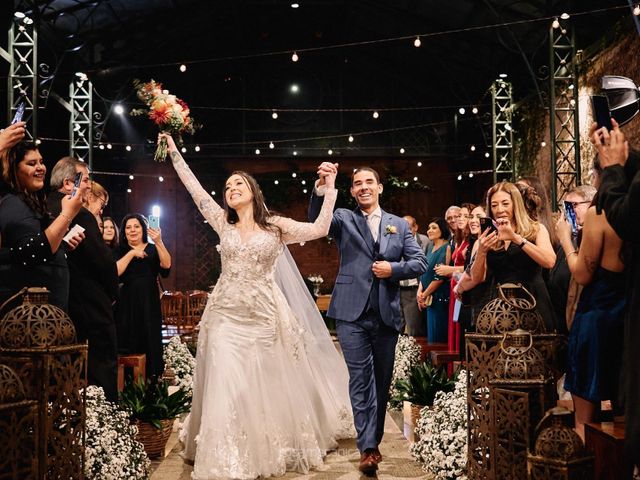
(23,71)
(502,131)
(563,108)
(81,123)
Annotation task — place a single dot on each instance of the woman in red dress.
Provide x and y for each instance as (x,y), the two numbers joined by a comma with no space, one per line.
(457,267)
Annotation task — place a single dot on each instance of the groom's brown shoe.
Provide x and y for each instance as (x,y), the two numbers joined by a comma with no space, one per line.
(368,462)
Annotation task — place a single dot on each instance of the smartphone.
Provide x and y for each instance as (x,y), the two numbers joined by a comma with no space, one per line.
(601,112)
(570,215)
(19,112)
(76,183)
(486,222)
(154,222)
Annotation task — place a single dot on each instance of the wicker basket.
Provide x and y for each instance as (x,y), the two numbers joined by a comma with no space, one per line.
(154,439)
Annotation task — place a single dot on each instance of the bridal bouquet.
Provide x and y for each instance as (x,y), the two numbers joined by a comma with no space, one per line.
(167,111)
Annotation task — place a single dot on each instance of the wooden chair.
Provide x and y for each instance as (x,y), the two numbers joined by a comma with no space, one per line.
(171,304)
(137,362)
(196,301)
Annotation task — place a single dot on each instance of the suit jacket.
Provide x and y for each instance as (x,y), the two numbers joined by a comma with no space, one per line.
(358,252)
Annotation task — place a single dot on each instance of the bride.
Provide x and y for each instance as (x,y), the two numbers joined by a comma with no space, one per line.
(270,390)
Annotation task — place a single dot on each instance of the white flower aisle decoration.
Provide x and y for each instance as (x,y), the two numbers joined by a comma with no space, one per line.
(442,430)
(111,449)
(179,359)
(407,356)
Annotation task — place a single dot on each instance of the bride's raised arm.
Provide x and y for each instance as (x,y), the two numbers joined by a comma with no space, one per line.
(212,212)
(293,231)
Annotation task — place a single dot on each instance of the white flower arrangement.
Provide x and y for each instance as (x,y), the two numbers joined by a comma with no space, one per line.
(179,359)
(442,430)
(111,449)
(407,356)
(317,279)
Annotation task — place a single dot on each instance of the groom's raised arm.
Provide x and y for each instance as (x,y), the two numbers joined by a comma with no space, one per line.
(413,263)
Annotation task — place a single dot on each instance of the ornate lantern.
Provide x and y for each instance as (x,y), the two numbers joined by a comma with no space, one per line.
(514,308)
(518,359)
(38,342)
(18,431)
(559,452)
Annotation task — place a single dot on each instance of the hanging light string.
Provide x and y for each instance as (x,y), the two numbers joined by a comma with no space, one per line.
(413,36)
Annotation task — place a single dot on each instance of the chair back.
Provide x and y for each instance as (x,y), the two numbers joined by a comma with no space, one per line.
(196,301)
(171,304)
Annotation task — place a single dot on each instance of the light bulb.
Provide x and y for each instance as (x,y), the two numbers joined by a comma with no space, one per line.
(417,42)
(161,179)
(419,164)
(415,179)
(276,182)
(470,174)
(183,149)
(128,148)
(109,146)
(118,109)
(213,192)
(406,184)
(487,155)
(183,68)
(330,152)
(543,144)
(555,23)
(271,145)
(402,150)
(128,190)
(197,148)
(304,190)
(101,147)
(274,115)
(459,177)
(131,177)
(503,75)
(294,57)
(376,114)
(257,151)
(461,111)
(473,148)
(351,138)
(474,110)
(294,174)
(564,16)
(295,153)
(303,182)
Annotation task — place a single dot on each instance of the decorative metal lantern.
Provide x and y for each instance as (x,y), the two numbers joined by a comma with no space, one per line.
(559,452)
(518,359)
(18,430)
(38,342)
(513,309)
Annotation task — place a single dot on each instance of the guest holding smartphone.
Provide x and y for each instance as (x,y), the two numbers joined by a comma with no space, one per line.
(595,338)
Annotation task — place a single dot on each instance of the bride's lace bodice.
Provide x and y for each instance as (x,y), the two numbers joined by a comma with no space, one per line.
(253,260)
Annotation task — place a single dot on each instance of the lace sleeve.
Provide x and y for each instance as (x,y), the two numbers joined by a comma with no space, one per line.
(211,211)
(293,232)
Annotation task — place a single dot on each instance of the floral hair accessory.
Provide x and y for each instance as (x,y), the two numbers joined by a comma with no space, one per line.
(390,229)
(167,111)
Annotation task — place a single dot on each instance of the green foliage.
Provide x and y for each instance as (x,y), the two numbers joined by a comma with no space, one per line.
(150,401)
(423,383)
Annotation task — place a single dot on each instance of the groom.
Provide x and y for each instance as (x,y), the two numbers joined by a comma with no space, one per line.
(377,250)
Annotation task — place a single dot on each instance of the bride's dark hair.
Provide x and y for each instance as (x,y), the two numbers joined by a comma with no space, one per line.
(261,213)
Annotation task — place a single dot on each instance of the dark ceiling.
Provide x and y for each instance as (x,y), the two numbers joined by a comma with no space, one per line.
(239,67)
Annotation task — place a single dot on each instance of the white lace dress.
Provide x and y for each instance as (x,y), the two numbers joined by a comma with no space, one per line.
(261,407)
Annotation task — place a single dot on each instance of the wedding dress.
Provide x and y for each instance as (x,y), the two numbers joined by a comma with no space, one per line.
(263,403)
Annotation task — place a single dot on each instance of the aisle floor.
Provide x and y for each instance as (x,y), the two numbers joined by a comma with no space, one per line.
(340,464)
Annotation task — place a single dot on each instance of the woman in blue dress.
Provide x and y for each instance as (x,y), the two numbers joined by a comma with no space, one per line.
(433,291)
(596,335)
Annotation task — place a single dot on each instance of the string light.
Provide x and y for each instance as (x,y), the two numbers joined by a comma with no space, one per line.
(462,111)
(330,152)
(375,114)
(304,190)
(276,182)
(350,138)
(295,5)
(295,153)
(118,109)
(419,164)
(487,155)
(128,190)
(401,150)
(161,178)
(303,182)
(543,144)
(565,16)
(271,145)
(183,149)
(473,148)
(294,57)
(415,179)
(274,115)
(101,146)
(213,192)
(474,110)
(257,151)
(197,148)
(109,146)
(503,75)
(555,23)
(417,42)
(406,184)
(470,174)
(294,174)
(183,68)
(459,177)
(128,148)
(131,177)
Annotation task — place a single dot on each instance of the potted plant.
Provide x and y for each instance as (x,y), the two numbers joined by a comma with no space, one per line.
(420,387)
(407,356)
(153,410)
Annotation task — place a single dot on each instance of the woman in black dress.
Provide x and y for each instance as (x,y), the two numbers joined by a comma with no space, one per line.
(138,312)
(518,250)
(31,255)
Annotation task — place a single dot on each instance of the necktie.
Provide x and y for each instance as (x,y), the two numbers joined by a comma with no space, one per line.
(372,227)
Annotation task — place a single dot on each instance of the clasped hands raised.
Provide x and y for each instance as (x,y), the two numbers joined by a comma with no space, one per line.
(327,173)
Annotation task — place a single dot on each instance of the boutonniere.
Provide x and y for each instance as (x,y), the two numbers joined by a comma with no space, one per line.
(390,229)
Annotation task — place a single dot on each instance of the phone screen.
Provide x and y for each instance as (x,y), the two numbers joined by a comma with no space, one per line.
(601,112)
(487,222)
(76,183)
(154,222)
(19,113)
(570,215)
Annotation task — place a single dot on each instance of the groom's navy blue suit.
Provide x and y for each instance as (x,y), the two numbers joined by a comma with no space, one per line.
(367,309)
